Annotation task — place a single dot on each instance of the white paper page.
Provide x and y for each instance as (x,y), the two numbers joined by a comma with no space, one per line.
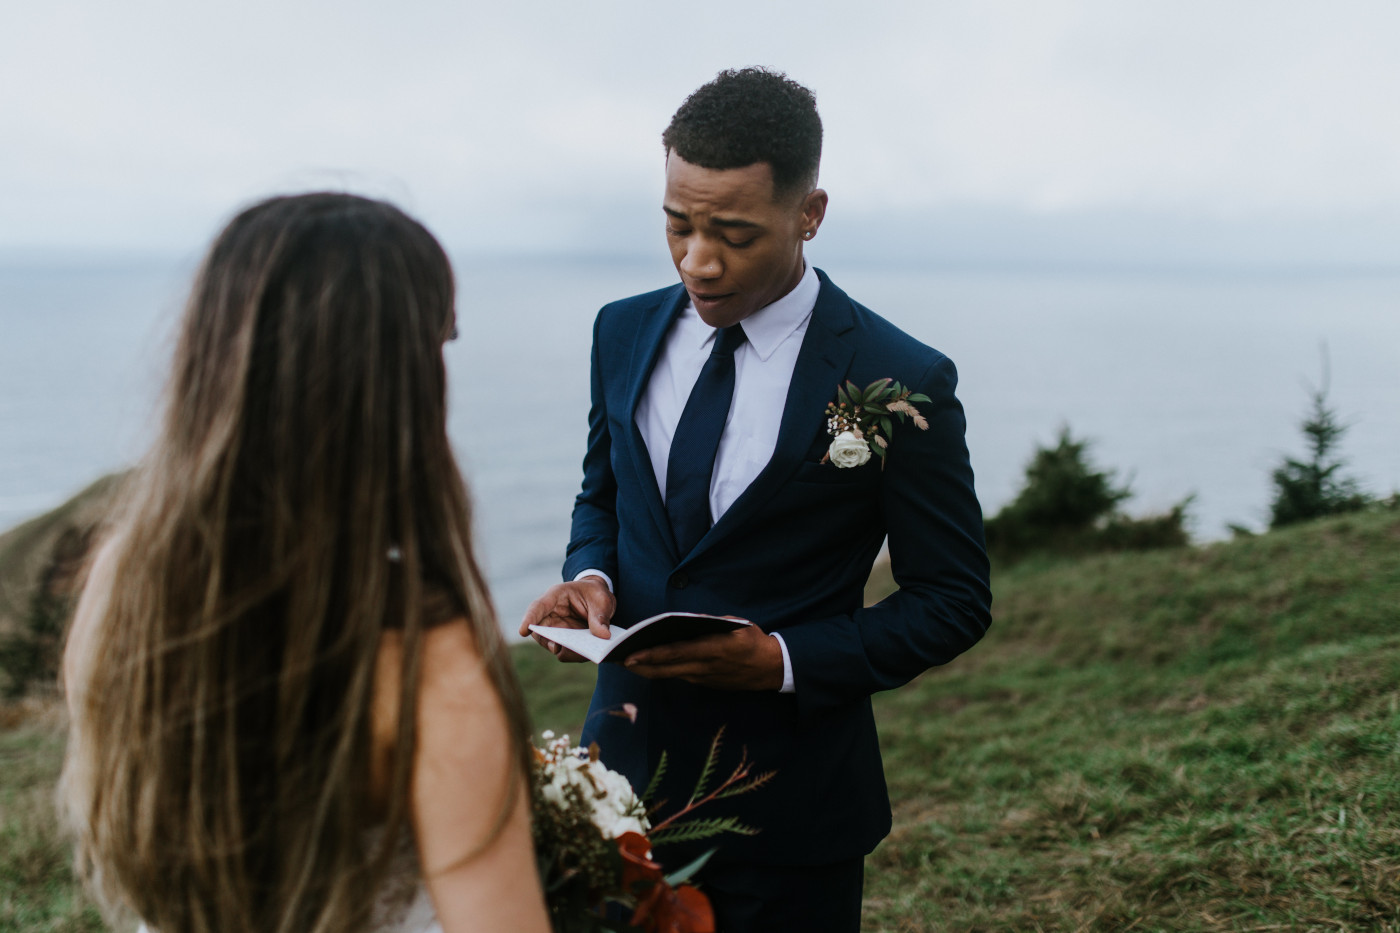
(581,640)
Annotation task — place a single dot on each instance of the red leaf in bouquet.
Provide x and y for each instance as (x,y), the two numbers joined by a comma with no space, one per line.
(636,860)
(665,909)
(660,907)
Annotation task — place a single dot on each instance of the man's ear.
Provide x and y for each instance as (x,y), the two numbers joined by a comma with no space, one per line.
(813,212)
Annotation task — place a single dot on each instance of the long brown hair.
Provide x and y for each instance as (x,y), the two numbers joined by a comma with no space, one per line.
(300,497)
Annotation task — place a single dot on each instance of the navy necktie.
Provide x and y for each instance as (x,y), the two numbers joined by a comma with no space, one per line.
(691,463)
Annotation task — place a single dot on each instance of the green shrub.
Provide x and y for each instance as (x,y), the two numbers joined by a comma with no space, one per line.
(30,652)
(30,656)
(1066,505)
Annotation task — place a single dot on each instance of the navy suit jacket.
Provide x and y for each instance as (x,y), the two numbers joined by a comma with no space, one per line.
(792,554)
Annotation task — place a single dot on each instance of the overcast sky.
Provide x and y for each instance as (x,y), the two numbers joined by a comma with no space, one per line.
(141,125)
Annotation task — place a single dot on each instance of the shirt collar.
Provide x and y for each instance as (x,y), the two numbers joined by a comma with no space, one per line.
(769,326)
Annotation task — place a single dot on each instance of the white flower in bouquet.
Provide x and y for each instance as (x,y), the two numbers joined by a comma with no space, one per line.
(616,809)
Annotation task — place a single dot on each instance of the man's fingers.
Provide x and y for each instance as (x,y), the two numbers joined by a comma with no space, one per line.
(533,614)
(598,618)
(597,605)
(704,648)
(651,657)
(552,647)
(556,649)
(565,654)
(692,651)
(696,672)
(650,671)
(541,609)
(560,606)
(724,662)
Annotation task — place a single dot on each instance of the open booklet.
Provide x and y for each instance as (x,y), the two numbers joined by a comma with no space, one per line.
(658,630)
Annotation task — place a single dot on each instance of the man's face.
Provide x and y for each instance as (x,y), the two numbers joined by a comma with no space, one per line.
(736,248)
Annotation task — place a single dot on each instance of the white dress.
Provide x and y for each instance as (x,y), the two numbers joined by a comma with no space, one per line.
(402,904)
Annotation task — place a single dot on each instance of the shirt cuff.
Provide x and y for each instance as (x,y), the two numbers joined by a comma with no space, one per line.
(789,686)
(608,581)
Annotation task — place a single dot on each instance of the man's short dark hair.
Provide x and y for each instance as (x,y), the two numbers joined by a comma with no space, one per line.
(748,116)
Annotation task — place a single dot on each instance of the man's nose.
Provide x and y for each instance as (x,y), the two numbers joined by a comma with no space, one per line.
(701,260)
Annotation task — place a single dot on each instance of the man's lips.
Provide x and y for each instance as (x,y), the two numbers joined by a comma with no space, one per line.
(712,298)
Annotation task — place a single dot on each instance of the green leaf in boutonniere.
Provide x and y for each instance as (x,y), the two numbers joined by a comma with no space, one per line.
(861,421)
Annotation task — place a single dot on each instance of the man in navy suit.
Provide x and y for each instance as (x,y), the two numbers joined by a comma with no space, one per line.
(706,489)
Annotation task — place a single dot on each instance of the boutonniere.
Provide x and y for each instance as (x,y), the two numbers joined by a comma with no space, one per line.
(862,422)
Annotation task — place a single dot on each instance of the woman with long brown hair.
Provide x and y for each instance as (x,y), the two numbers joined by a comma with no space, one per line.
(290,700)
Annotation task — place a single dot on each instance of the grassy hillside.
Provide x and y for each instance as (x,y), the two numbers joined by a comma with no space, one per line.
(1193,740)
(1190,740)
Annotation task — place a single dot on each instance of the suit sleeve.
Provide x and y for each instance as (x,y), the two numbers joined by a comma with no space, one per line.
(593,536)
(938,557)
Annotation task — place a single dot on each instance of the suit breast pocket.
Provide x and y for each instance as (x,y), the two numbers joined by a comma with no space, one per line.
(829,474)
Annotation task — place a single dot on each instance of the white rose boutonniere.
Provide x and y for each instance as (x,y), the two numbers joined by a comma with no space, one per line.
(847,450)
(861,422)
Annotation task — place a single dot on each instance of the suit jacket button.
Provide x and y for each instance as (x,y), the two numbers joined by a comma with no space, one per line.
(679,581)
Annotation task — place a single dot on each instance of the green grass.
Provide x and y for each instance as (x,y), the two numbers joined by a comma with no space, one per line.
(1188,740)
(37,891)
(1194,740)
(556,693)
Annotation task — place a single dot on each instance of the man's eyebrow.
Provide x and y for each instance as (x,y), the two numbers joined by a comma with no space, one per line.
(733,222)
(729,222)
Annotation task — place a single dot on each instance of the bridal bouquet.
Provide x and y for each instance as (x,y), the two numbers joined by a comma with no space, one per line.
(593,838)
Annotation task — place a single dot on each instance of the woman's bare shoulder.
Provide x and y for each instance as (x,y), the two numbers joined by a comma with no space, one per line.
(470,800)
(452,684)
(451,660)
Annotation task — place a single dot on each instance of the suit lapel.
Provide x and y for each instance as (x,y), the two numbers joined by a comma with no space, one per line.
(651,334)
(821,365)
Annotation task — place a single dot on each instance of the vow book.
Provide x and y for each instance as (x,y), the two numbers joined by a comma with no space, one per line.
(658,630)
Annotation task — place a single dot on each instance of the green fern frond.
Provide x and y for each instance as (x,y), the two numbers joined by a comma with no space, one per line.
(708,770)
(693,830)
(655,783)
(743,787)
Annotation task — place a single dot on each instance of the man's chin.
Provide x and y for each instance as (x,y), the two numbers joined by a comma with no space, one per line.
(722,311)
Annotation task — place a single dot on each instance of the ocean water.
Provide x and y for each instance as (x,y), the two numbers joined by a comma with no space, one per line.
(1188,383)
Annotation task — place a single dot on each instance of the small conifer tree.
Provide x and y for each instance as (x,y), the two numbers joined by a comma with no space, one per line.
(1312,488)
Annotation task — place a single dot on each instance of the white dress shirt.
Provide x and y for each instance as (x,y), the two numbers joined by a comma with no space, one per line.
(763,367)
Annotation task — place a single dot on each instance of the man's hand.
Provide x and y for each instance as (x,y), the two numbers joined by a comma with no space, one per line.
(586,603)
(744,659)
